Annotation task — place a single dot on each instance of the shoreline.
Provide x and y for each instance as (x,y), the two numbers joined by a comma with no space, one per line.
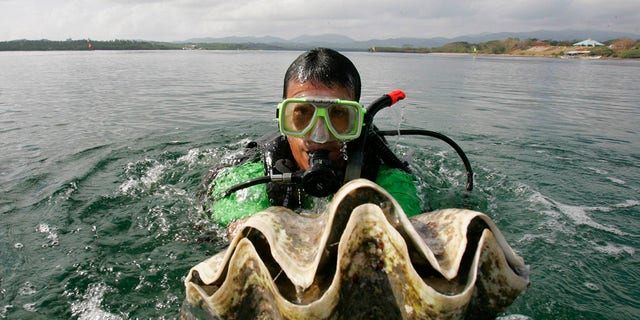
(532,52)
(540,50)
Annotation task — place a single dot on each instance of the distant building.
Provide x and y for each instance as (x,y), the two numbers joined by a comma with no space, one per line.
(191,47)
(588,43)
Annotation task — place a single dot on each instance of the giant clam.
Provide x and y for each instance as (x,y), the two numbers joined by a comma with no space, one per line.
(362,258)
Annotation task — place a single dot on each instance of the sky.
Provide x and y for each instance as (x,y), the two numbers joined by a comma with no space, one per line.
(175,20)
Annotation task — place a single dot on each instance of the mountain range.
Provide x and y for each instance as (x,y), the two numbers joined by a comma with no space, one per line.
(343,42)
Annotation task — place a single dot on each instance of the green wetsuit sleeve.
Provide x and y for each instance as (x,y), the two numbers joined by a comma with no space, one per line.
(242,203)
(402,186)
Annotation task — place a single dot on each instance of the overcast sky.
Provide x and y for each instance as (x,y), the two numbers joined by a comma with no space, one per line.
(173,20)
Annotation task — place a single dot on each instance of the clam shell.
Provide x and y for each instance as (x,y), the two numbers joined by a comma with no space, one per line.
(361,258)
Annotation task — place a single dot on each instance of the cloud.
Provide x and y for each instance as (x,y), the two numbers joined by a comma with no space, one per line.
(168,20)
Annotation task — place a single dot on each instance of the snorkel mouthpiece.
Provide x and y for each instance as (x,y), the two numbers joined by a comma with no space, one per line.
(320,180)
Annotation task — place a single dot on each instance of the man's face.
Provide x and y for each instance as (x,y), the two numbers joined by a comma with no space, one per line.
(300,147)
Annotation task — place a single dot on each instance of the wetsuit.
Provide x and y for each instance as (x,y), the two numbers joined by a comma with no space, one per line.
(273,155)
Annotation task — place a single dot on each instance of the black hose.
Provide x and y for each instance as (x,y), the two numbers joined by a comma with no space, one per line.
(442,137)
(245,184)
(356,153)
(385,153)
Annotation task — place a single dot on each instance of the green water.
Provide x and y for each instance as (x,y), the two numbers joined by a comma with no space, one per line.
(102,154)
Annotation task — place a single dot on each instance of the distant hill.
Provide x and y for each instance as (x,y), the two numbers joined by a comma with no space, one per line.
(345,43)
(323,38)
(264,40)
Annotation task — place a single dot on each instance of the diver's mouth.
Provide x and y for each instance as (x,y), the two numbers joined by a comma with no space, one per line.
(311,149)
(334,149)
(327,146)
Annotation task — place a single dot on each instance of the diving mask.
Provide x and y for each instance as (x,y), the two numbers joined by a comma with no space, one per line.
(343,118)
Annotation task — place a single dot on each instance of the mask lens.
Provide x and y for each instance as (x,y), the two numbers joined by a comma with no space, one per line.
(298,116)
(342,118)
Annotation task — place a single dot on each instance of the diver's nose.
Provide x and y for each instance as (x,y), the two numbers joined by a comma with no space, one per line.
(320,133)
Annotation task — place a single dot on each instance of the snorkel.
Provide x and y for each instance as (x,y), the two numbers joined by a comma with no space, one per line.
(375,137)
(356,153)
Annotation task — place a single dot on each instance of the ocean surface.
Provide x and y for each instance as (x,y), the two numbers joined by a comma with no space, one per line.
(102,154)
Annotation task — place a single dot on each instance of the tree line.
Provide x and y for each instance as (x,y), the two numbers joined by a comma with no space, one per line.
(622,48)
(85,44)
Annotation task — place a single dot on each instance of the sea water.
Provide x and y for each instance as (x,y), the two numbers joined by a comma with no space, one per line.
(102,154)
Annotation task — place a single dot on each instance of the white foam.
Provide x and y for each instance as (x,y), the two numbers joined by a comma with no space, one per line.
(598,171)
(627,204)
(5,310)
(151,177)
(514,317)
(89,307)
(158,219)
(616,180)
(51,234)
(27,289)
(538,197)
(579,215)
(30,307)
(614,250)
(43,227)
(191,157)
(604,172)
(128,185)
(592,286)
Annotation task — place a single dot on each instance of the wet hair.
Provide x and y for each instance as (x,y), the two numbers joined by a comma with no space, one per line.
(325,66)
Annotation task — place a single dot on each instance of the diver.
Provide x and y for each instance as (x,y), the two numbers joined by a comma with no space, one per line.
(321,123)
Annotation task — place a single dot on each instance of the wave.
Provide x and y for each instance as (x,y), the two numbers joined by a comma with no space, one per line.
(580,215)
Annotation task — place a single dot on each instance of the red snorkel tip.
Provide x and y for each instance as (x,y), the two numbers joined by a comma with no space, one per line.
(396,96)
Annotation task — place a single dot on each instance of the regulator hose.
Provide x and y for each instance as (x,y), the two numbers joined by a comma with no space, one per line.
(453,144)
(246,184)
(385,153)
(319,181)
